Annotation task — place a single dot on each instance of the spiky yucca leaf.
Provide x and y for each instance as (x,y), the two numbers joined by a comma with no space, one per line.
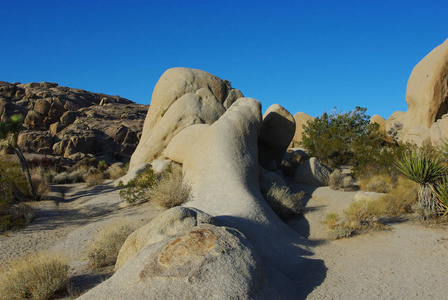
(422,167)
(442,196)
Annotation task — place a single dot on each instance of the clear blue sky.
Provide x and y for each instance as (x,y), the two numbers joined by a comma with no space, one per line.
(307,56)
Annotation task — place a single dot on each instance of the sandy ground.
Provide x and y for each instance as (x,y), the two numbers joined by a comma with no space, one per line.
(410,261)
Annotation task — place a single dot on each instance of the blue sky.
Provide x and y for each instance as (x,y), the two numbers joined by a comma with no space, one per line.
(308,56)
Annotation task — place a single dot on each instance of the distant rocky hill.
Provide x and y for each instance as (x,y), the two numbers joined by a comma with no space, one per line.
(71,124)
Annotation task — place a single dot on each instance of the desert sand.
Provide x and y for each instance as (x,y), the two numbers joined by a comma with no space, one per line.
(406,262)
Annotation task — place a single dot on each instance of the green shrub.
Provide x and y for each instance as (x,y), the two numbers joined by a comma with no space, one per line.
(284,202)
(38,276)
(103,250)
(426,168)
(331,137)
(137,190)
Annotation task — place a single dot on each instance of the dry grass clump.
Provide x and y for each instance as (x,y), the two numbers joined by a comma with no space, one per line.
(367,215)
(380,183)
(94,178)
(170,191)
(284,202)
(39,276)
(41,186)
(116,171)
(103,250)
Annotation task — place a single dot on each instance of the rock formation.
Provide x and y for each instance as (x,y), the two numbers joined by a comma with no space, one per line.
(70,123)
(301,119)
(226,242)
(427,96)
(182,97)
(380,121)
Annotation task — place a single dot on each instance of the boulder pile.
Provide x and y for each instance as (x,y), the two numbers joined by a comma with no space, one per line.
(71,124)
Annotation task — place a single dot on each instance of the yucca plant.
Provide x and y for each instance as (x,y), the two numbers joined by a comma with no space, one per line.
(426,169)
(442,196)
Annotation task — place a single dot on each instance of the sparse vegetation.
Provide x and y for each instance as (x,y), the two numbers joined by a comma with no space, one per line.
(170,191)
(94,178)
(427,169)
(283,202)
(166,190)
(39,276)
(14,189)
(379,183)
(103,250)
(365,215)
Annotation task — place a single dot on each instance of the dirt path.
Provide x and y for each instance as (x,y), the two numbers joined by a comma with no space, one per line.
(408,262)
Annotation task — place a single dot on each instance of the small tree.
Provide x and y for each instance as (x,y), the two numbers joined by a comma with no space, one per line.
(335,139)
(9,132)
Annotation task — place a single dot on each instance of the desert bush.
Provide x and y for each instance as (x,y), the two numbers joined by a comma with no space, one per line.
(15,216)
(426,168)
(41,186)
(400,200)
(115,171)
(13,184)
(331,220)
(284,202)
(170,190)
(137,190)
(103,250)
(365,215)
(380,183)
(94,178)
(336,180)
(331,137)
(61,178)
(341,231)
(39,276)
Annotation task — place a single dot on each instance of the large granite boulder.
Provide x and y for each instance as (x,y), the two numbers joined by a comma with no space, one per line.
(301,119)
(277,130)
(377,119)
(312,172)
(395,124)
(427,90)
(182,97)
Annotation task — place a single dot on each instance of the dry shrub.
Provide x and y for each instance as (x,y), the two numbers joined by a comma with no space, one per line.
(103,250)
(331,220)
(336,180)
(41,186)
(170,190)
(400,200)
(366,215)
(380,183)
(39,276)
(284,202)
(115,171)
(94,178)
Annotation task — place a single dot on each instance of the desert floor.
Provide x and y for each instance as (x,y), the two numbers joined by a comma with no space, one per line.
(409,261)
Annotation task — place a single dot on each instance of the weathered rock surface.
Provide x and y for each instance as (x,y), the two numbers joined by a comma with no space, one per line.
(300,119)
(427,90)
(183,142)
(223,172)
(378,120)
(172,223)
(312,172)
(73,120)
(204,262)
(182,97)
(395,124)
(277,130)
(438,132)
